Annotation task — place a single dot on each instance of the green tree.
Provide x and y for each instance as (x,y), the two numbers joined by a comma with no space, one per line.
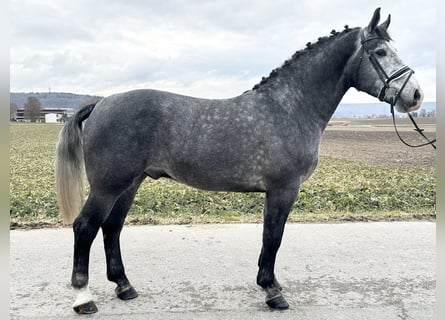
(32,109)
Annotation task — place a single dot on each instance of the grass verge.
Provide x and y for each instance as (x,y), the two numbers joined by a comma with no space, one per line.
(339,190)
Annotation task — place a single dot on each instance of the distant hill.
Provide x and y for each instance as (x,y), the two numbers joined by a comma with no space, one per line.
(70,100)
(52,99)
(373,110)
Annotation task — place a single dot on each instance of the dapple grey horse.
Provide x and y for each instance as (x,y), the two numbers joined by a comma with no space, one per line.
(264,140)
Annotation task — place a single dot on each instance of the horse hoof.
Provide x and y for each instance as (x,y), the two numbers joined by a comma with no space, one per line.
(126,293)
(275,300)
(86,308)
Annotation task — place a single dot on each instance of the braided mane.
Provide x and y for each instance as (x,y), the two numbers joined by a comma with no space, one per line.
(309,46)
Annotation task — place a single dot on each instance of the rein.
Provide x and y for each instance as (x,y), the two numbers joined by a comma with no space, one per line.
(419,130)
(386,85)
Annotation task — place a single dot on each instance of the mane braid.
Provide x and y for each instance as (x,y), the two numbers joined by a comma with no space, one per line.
(309,46)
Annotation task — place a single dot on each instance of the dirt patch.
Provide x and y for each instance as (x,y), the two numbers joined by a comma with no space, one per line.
(31,225)
(378,147)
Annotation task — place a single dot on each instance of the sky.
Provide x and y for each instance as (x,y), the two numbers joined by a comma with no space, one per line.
(208,49)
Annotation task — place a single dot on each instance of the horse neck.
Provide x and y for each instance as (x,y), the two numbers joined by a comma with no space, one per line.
(314,81)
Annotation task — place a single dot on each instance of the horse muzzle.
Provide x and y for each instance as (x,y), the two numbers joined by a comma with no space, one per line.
(403,92)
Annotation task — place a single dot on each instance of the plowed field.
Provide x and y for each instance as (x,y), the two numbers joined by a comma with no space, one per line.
(375,141)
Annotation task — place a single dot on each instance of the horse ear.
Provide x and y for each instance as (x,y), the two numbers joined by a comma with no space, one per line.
(374,21)
(387,22)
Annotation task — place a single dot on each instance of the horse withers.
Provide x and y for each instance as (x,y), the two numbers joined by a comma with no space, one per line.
(264,140)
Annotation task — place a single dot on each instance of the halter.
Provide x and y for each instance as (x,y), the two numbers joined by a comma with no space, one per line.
(386,80)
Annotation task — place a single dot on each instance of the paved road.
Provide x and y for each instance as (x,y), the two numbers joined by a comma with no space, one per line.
(328,271)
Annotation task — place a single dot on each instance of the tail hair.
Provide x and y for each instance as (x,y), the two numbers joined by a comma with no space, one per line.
(69,166)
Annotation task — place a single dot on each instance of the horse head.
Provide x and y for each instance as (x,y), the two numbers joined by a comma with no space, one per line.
(379,70)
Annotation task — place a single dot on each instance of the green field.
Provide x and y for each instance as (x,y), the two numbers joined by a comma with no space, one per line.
(339,190)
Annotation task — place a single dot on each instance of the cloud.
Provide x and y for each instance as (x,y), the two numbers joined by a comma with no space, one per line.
(202,48)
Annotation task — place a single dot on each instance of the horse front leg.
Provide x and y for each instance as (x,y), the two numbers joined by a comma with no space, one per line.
(276,210)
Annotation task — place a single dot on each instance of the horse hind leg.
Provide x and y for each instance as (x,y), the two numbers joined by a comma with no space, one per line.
(111,230)
(85,227)
(276,210)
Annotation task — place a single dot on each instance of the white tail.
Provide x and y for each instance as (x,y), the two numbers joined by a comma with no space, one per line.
(69,166)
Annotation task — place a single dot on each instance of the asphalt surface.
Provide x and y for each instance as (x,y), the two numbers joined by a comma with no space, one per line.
(328,271)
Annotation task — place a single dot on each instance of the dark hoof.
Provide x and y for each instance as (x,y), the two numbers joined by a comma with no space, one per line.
(86,308)
(275,299)
(126,293)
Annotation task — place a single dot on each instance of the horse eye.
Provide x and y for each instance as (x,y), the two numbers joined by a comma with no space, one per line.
(381,52)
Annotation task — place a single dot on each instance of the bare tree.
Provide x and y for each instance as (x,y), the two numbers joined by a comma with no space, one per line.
(12,111)
(32,109)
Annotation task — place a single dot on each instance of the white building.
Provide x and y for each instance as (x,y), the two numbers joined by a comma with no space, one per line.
(51,118)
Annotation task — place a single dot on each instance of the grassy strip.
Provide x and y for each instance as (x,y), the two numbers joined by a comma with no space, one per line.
(339,190)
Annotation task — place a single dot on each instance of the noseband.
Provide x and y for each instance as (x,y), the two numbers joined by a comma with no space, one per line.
(386,80)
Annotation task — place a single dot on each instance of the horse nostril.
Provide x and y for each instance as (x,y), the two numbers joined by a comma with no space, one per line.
(417,95)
